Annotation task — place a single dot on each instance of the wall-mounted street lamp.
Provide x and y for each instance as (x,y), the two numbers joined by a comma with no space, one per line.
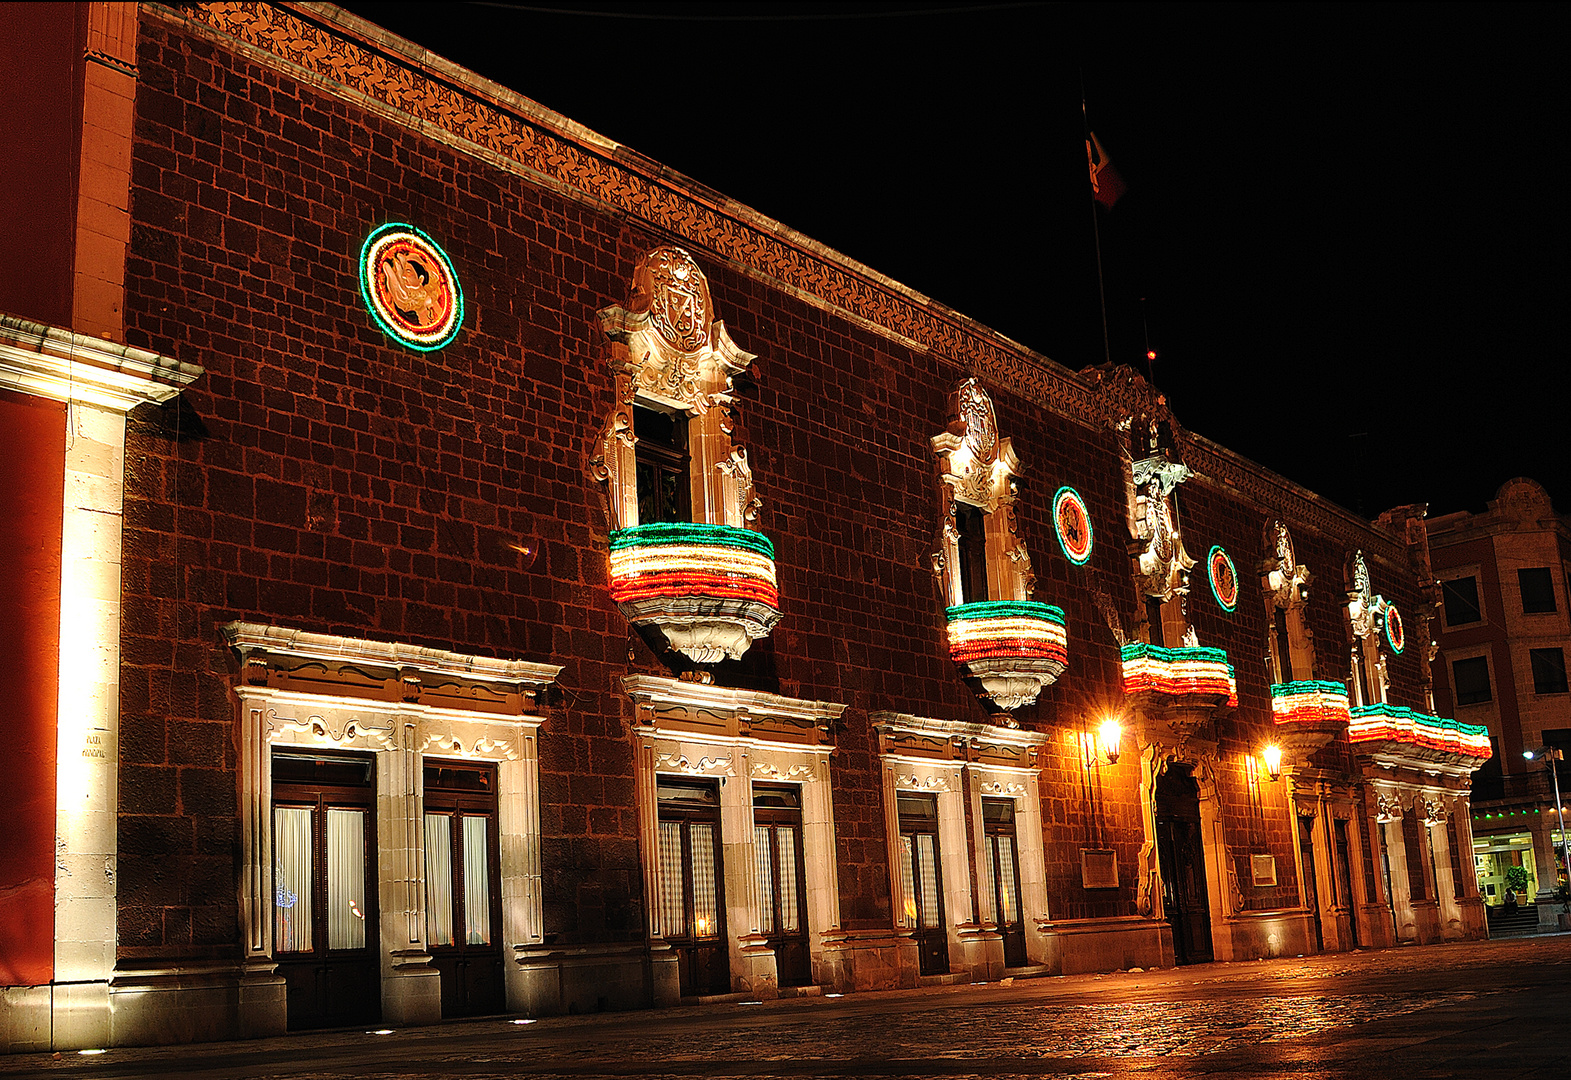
(1552,755)
(1101,748)
(1272,756)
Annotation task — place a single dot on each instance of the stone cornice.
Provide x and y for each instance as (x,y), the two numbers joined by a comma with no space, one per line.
(255,640)
(64,366)
(356,61)
(899,725)
(658,693)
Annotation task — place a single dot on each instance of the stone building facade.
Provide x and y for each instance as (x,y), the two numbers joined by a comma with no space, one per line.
(1504,635)
(496,573)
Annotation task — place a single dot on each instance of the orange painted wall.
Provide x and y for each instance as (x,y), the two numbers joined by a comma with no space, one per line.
(32,485)
(41,82)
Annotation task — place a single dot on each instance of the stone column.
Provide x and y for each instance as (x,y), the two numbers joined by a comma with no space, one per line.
(87,756)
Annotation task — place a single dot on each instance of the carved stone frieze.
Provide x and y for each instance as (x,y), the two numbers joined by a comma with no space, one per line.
(768,770)
(333,730)
(676,761)
(468,744)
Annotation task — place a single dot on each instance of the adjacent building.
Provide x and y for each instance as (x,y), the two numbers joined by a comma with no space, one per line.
(462,566)
(1504,631)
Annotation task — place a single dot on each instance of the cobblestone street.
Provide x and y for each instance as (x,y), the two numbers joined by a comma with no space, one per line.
(1492,1009)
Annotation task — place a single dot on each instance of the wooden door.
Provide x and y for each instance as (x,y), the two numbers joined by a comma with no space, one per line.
(1003,861)
(464,886)
(1181,857)
(782,885)
(691,884)
(325,936)
(920,871)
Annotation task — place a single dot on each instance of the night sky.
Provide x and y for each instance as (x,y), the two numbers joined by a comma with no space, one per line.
(1345,233)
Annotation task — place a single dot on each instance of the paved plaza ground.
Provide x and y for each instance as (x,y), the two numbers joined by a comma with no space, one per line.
(1496,1010)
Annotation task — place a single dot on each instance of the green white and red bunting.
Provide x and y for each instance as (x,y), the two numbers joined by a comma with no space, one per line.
(663,560)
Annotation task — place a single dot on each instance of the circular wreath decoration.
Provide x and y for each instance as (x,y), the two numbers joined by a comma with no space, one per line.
(1224,578)
(410,287)
(1072,522)
(1396,637)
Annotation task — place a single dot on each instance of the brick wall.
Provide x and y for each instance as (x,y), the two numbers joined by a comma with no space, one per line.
(321,477)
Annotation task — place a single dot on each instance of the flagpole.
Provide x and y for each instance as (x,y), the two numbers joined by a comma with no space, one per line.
(1096,230)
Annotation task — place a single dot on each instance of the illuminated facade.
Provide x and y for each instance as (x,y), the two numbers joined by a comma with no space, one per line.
(465,567)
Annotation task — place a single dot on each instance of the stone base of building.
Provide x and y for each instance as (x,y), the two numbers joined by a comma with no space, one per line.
(981,954)
(1376,928)
(1262,935)
(1079,946)
(867,960)
(552,980)
(151,1007)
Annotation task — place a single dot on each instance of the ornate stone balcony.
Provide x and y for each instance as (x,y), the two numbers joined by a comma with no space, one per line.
(1179,687)
(1407,737)
(1013,648)
(710,589)
(1308,715)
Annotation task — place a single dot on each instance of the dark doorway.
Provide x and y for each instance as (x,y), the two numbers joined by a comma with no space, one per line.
(1181,856)
(1344,864)
(1003,860)
(692,901)
(464,887)
(782,885)
(923,883)
(324,888)
(1306,858)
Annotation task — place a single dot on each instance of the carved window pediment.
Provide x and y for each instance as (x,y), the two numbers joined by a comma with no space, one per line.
(1009,644)
(707,582)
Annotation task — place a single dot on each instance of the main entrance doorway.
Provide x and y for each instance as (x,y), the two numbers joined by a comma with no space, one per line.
(1003,860)
(782,887)
(463,887)
(324,884)
(691,902)
(1181,856)
(919,874)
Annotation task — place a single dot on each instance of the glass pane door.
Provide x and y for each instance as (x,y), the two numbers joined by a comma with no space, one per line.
(777,847)
(324,887)
(463,886)
(689,884)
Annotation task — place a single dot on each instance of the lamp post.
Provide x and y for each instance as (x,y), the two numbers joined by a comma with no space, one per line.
(1554,754)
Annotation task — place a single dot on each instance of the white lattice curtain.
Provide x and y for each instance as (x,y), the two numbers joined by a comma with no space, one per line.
(907,879)
(706,907)
(927,871)
(292,878)
(765,872)
(346,901)
(673,919)
(790,904)
(1006,879)
(477,881)
(438,879)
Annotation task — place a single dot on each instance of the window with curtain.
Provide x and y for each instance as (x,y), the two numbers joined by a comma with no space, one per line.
(439,879)
(292,828)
